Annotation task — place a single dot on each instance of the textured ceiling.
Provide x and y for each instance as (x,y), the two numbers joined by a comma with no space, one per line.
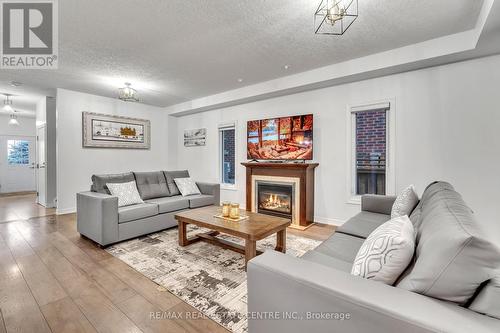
(176,50)
(24,98)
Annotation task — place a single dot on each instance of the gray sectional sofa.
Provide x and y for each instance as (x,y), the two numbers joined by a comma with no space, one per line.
(316,293)
(100,219)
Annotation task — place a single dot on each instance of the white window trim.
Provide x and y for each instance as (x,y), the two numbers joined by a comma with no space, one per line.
(221,127)
(390,176)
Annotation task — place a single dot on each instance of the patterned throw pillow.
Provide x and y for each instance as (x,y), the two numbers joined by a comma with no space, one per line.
(187,186)
(386,252)
(405,202)
(126,192)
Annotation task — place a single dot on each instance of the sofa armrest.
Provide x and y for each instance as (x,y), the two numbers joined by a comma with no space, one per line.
(210,189)
(97,217)
(288,294)
(381,204)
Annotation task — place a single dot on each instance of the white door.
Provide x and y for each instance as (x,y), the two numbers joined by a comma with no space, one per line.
(17,164)
(41,164)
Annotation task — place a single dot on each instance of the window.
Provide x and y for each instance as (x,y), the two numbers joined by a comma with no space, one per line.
(370,149)
(228,154)
(18,152)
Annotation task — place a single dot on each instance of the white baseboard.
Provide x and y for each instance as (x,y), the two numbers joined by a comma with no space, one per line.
(65,211)
(329,220)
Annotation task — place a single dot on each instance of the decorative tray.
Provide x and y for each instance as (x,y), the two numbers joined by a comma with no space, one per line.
(241,218)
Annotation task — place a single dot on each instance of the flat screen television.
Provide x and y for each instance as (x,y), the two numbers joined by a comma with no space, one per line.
(286,138)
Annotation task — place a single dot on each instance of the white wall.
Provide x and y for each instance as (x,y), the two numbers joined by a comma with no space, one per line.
(447,128)
(26,126)
(41,111)
(76,165)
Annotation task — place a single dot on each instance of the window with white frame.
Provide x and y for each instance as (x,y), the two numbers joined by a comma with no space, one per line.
(227,141)
(18,152)
(370,149)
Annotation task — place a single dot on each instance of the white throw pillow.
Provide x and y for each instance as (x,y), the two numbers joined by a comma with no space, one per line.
(386,252)
(126,192)
(187,186)
(405,202)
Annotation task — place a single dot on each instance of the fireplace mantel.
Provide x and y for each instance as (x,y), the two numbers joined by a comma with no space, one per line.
(304,172)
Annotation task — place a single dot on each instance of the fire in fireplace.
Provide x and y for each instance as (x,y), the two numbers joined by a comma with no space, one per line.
(275,199)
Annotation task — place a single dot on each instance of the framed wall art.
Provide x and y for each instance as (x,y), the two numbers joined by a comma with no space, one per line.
(195,137)
(110,131)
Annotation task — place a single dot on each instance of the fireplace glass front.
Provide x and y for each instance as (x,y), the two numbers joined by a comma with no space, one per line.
(275,199)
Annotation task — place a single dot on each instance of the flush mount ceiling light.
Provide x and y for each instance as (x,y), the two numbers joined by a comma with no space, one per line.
(7,104)
(334,17)
(128,94)
(13,120)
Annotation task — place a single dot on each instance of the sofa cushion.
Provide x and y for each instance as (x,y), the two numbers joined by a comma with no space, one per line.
(341,246)
(170,176)
(135,212)
(488,300)
(201,200)
(99,181)
(170,204)
(453,258)
(363,224)
(326,260)
(151,185)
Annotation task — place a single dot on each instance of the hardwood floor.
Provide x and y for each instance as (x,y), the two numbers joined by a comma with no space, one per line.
(21,207)
(53,280)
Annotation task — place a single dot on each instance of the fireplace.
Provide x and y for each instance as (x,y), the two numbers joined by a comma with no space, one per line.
(275,198)
(282,189)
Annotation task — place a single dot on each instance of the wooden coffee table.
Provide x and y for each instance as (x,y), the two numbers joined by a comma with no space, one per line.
(255,227)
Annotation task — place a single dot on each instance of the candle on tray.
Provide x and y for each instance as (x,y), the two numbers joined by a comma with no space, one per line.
(235,211)
(226,208)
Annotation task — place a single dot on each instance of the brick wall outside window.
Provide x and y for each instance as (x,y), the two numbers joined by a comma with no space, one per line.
(229,156)
(371,152)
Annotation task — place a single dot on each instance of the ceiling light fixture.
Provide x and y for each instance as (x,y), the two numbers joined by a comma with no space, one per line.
(240,80)
(334,17)
(128,94)
(7,104)
(15,84)
(286,67)
(13,120)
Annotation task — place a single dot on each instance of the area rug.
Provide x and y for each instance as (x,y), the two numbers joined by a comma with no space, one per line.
(207,277)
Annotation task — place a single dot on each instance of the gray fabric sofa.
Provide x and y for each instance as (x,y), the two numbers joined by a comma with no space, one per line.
(100,219)
(317,293)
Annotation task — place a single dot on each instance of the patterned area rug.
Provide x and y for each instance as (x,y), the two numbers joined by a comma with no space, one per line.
(208,277)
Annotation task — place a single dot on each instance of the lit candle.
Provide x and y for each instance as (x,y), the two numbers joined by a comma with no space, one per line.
(225,209)
(235,211)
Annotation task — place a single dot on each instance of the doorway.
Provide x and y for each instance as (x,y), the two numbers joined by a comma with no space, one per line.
(17,164)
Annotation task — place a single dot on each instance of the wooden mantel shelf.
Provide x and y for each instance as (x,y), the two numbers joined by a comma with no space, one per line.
(280,165)
(303,171)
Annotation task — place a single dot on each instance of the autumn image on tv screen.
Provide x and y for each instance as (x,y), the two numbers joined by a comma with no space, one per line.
(287,138)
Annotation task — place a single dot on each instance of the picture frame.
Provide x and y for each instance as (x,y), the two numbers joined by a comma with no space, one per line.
(111,131)
(195,137)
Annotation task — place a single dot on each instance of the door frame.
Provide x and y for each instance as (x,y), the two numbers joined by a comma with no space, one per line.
(37,165)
